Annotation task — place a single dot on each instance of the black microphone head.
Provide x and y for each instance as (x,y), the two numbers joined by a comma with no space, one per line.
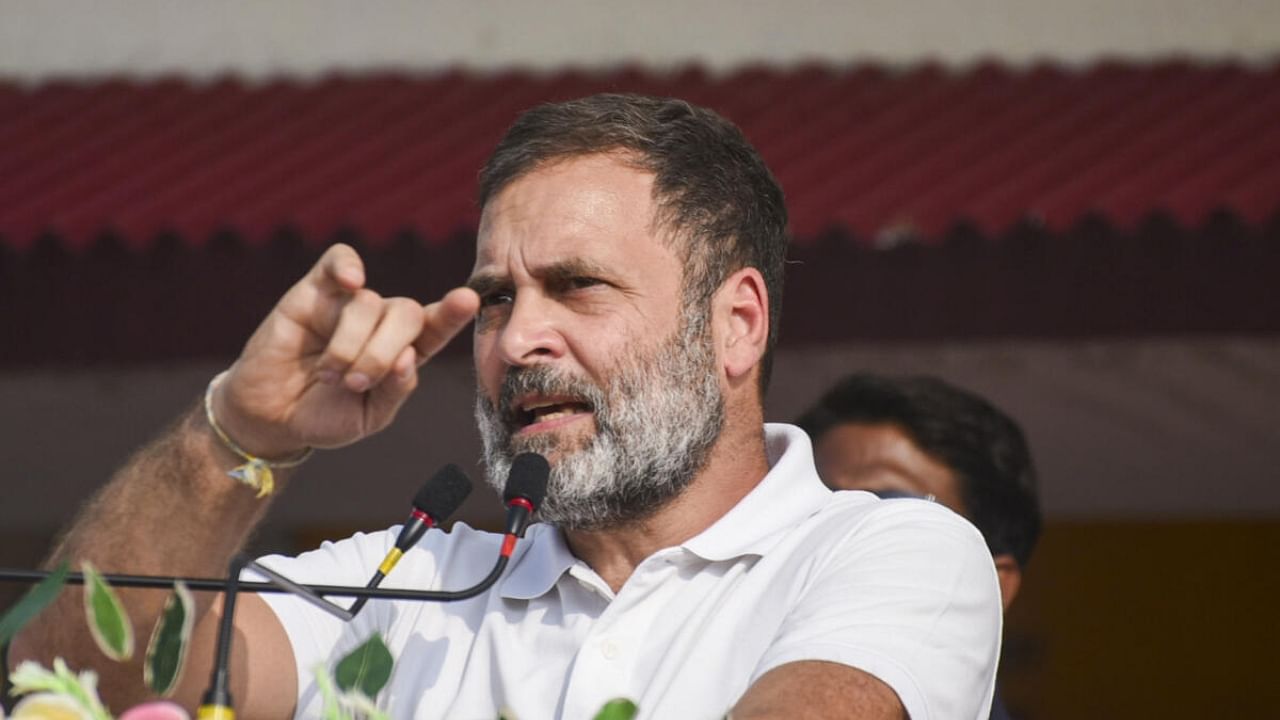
(443,494)
(528,479)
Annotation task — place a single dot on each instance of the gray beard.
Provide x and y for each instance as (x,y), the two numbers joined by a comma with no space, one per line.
(656,421)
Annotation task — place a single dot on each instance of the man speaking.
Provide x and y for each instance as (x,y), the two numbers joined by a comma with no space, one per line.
(625,294)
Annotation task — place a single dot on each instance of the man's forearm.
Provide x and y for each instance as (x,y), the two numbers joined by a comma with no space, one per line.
(171,510)
(331,364)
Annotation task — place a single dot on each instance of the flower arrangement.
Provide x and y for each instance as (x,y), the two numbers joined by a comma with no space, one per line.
(59,693)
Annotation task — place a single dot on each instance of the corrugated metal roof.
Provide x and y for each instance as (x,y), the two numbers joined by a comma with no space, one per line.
(882,155)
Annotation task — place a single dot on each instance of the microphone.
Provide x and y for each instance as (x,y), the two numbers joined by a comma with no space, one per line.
(444,492)
(525,490)
(437,499)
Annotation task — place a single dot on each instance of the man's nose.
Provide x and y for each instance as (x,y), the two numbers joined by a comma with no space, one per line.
(531,333)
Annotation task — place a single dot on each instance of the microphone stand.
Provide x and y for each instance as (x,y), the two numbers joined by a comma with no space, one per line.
(526,487)
(165,582)
(216,704)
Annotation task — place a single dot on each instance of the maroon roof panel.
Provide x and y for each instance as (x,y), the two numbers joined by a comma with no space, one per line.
(880,154)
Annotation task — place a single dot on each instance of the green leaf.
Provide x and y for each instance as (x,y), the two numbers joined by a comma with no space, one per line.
(367,668)
(108,622)
(32,604)
(618,709)
(167,650)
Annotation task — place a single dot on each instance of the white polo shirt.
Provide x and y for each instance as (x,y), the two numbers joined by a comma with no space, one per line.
(903,589)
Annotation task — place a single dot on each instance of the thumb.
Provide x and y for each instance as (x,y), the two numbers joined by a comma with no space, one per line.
(444,319)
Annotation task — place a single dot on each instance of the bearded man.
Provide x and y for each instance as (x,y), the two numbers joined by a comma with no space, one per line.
(625,295)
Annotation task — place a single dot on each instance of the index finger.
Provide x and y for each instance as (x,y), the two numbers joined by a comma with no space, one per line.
(339,270)
(444,319)
(337,275)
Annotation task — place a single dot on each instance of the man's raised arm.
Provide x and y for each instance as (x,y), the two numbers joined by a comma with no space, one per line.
(331,364)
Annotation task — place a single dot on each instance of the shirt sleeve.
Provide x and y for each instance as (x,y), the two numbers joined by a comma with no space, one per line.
(317,637)
(907,592)
(439,560)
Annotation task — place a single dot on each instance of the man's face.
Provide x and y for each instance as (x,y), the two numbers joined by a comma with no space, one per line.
(582,350)
(881,457)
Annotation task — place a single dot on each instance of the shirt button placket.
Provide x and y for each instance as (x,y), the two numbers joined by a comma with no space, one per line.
(610,650)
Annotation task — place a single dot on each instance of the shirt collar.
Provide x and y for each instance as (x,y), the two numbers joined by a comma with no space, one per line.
(789,493)
(545,558)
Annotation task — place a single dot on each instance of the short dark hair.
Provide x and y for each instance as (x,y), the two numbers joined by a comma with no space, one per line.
(980,444)
(712,189)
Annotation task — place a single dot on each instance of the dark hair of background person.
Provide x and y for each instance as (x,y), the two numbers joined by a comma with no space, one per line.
(712,189)
(982,446)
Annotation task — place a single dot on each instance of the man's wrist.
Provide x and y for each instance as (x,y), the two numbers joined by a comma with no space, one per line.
(254,471)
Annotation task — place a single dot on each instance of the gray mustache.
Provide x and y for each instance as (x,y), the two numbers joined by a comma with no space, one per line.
(543,380)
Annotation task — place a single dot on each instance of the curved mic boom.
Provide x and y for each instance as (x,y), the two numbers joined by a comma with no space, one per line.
(441,496)
(437,499)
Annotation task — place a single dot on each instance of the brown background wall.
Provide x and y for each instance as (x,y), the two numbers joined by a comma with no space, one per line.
(1147,620)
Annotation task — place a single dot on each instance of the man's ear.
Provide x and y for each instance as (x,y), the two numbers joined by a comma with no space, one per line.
(741,318)
(1010,575)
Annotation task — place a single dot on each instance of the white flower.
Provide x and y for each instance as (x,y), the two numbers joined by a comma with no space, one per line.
(50,706)
(81,690)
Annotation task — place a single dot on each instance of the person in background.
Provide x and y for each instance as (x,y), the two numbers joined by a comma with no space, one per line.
(920,436)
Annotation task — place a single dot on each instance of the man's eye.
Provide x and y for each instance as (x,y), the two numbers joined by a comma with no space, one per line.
(578,283)
(498,297)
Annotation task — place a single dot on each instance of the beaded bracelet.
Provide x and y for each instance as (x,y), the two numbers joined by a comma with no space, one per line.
(255,471)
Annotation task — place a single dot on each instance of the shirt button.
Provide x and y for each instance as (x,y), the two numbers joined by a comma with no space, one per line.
(609,649)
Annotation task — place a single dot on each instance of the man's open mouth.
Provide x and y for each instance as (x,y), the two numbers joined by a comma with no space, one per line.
(534,411)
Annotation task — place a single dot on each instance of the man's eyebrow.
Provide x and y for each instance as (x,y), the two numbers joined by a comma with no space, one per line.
(486,283)
(556,272)
(571,268)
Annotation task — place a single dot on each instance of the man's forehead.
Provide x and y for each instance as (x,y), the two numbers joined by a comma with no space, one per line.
(576,211)
(585,250)
(604,174)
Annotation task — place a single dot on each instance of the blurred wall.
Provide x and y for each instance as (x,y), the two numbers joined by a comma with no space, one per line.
(1116,428)
(307,37)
